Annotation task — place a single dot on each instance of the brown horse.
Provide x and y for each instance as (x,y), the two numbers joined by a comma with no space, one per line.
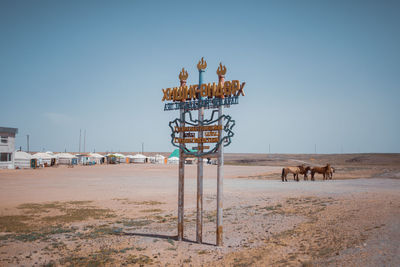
(304,170)
(287,170)
(325,171)
(331,172)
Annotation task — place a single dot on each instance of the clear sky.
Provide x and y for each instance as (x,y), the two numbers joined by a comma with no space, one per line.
(324,73)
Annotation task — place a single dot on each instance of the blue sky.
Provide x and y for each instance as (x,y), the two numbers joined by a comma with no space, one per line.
(324,73)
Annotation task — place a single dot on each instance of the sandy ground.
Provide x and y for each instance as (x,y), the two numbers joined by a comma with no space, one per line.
(126,215)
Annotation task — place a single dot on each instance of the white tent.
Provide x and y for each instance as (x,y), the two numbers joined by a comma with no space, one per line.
(65,158)
(173,160)
(97,158)
(129,159)
(44,158)
(159,159)
(22,160)
(120,157)
(139,158)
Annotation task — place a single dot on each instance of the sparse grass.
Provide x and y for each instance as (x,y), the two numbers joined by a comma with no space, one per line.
(79,214)
(147,202)
(136,223)
(102,231)
(169,240)
(42,234)
(141,260)
(73,211)
(152,210)
(150,202)
(15,223)
(80,202)
(99,258)
(41,208)
(306,264)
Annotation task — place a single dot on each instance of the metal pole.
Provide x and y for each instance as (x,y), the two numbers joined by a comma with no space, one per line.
(27,141)
(199,220)
(80,134)
(220,169)
(181,186)
(220,181)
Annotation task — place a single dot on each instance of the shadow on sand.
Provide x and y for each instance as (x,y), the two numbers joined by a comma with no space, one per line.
(170,237)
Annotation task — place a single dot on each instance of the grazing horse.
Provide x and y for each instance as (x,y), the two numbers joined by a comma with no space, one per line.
(294,170)
(331,172)
(304,170)
(325,171)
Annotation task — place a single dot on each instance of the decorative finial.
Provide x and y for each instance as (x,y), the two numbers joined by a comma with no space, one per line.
(202,64)
(183,75)
(221,70)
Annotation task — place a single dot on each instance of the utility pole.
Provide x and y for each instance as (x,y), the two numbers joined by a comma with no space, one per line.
(27,142)
(80,134)
(84,141)
(142,147)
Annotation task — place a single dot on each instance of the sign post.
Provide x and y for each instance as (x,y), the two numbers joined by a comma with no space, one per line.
(181,192)
(220,169)
(209,135)
(201,66)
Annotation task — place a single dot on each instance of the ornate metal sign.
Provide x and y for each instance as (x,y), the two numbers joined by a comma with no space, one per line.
(202,137)
(210,129)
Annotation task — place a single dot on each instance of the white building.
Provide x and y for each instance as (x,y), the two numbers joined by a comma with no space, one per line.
(7,147)
(22,160)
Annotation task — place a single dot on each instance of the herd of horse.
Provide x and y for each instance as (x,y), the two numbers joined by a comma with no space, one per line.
(326,171)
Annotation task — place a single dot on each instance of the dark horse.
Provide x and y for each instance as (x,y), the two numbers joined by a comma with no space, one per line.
(325,171)
(304,170)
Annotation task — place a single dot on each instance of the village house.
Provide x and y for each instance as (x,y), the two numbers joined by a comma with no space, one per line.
(7,147)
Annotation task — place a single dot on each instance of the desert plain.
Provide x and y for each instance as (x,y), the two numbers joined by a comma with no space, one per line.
(126,214)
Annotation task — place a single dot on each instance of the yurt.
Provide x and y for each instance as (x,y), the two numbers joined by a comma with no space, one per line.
(96,158)
(129,159)
(120,157)
(190,161)
(173,160)
(44,159)
(111,159)
(66,159)
(139,158)
(159,159)
(22,160)
(174,157)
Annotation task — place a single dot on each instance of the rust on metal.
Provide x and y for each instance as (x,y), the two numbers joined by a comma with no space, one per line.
(181,186)
(219,236)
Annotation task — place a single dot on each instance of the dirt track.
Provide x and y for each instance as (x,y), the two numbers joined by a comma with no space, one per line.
(112,215)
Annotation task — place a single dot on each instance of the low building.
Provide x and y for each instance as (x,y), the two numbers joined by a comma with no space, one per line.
(7,147)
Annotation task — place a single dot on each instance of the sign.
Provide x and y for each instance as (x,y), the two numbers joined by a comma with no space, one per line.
(207,137)
(209,96)
(209,128)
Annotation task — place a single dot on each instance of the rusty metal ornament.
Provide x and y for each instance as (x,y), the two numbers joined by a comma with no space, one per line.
(183,75)
(202,64)
(221,70)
